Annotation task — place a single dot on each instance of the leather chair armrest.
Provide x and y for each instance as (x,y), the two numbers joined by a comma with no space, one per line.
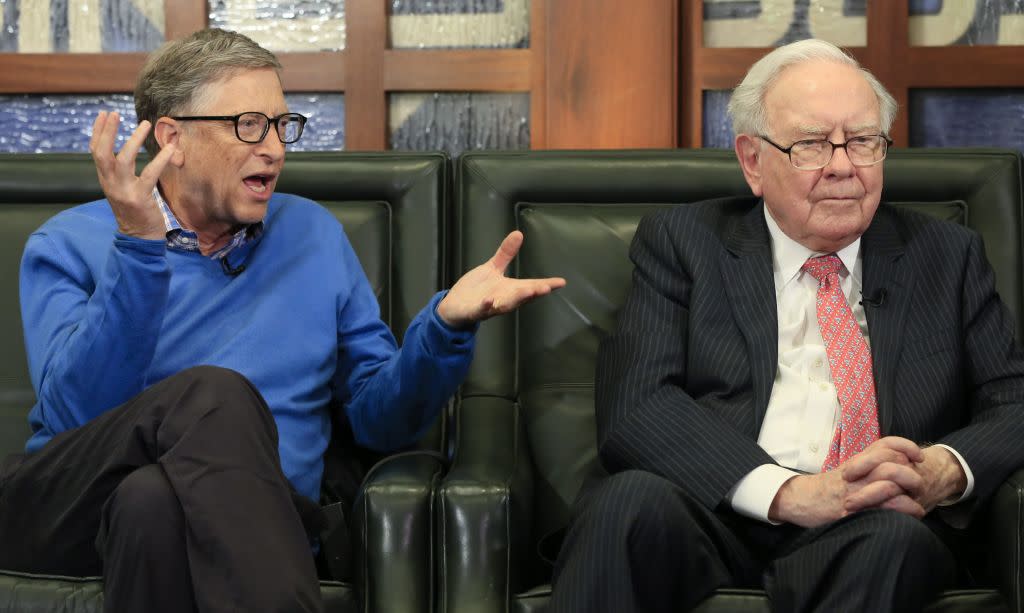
(393,533)
(486,508)
(1007,540)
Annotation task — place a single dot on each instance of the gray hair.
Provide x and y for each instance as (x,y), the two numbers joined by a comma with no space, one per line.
(746,106)
(175,76)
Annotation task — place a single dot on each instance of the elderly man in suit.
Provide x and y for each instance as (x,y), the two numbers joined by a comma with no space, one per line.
(808,391)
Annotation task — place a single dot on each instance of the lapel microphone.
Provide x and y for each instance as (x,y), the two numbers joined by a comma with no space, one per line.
(876,300)
(229,270)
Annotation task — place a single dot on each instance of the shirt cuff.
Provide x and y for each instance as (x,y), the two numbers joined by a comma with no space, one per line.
(967,471)
(753,495)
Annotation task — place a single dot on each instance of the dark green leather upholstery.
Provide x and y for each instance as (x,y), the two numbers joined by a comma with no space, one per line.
(393,207)
(525,432)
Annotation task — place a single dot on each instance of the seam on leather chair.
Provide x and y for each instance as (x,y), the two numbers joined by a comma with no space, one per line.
(507,500)
(483,177)
(1016,595)
(68,578)
(431,542)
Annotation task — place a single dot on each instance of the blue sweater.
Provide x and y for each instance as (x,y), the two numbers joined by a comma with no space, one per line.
(107,315)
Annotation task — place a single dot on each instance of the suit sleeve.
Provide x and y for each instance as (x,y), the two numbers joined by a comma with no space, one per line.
(646,420)
(991,441)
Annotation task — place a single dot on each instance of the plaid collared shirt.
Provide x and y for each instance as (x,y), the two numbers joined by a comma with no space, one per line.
(186,240)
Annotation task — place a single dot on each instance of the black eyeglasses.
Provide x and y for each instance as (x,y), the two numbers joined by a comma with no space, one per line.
(252,127)
(814,154)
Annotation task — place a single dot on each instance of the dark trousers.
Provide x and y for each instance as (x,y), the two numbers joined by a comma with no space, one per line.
(176,498)
(639,543)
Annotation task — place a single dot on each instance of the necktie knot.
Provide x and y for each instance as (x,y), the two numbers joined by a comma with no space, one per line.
(821,267)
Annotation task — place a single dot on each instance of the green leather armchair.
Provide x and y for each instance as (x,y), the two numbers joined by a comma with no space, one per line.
(524,424)
(394,208)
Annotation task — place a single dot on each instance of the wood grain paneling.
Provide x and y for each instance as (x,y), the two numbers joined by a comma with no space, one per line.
(69,73)
(611,73)
(322,71)
(183,17)
(497,70)
(365,99)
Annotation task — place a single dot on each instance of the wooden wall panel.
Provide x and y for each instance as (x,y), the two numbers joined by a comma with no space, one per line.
(611,73)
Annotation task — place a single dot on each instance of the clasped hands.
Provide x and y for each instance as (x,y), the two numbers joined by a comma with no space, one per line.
(891,473)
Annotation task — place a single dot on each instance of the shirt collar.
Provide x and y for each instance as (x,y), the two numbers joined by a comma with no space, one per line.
(788,256)
(170,221)
(183,239)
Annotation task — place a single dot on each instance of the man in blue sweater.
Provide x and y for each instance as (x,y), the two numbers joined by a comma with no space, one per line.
(182,413)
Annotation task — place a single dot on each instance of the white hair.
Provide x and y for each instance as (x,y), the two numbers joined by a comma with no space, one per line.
(746,106)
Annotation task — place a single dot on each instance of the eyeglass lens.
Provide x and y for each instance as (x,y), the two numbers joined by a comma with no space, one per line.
(253,126)
(862,151)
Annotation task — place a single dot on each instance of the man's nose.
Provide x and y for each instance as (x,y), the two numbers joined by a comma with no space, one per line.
(840,163)
(270,147)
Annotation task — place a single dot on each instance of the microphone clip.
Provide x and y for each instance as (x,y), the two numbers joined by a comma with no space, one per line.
(876,300)
(229,270)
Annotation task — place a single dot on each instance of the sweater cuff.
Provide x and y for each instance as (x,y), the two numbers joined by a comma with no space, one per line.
(141,246)
(441,334)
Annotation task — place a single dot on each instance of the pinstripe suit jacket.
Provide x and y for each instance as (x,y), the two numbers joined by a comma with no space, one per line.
(684,382)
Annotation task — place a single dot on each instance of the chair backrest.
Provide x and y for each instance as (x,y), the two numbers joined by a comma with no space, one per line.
(393,207)
(579,210)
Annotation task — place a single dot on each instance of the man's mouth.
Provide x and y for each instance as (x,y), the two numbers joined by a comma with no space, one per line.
(258,183)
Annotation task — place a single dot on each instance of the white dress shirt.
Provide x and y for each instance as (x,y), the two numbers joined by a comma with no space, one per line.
(804,408)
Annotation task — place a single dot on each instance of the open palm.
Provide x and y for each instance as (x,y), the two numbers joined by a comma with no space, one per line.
(485,291)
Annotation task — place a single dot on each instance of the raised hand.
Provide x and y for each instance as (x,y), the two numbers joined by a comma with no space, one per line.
(485,291)
(130,196)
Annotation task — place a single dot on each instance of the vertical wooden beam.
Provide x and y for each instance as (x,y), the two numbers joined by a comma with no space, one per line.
(612,77)
(183,17)
(366,102)
(691,95)
(885,56)
(538,73)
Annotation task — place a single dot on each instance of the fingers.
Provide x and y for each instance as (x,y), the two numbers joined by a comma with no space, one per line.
(862,464)
(872,495)
(507,250)
(134,143)
(904,504)
(888,449)
(518,292)
(886,481)
(104,131)
(151,173)
(905,446)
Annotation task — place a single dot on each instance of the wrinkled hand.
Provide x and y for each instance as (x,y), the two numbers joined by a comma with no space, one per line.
(884,476)
(485,291)
(940,476)
(130,196)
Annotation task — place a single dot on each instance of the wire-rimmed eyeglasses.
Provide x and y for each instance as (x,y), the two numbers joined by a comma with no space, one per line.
(813,154)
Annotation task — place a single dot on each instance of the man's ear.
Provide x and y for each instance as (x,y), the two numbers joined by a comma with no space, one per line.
(168,131)
(748,151)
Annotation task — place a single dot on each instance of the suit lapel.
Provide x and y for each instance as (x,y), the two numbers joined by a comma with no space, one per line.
(885,273)
(747,273)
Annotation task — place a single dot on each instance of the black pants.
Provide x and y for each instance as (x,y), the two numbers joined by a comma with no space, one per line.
(638,543)
(176,498)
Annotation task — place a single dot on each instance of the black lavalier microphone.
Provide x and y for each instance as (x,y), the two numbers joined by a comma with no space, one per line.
(876,300)
(231,271)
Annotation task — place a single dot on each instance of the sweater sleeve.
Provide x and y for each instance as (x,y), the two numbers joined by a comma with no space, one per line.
(392,395)
(90,335)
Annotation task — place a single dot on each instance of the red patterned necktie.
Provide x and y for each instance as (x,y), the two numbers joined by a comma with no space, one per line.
(850,362)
